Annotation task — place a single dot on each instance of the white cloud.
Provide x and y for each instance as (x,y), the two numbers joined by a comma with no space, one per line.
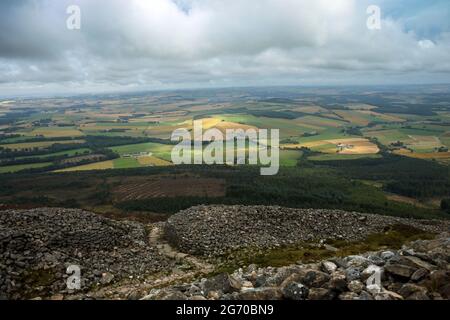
(158,43)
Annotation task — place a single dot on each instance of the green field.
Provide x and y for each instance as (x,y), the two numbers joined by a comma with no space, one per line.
(68,153)
(158,150)
(17,168)
(289,158)
(42,144)
(124,163)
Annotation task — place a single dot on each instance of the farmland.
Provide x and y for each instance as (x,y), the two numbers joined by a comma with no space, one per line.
(344,124)
(337,134)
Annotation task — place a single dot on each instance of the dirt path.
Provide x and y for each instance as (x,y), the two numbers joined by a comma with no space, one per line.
(188,268)
(156,239)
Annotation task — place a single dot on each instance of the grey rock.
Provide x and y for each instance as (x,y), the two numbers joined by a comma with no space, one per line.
(352,274)
(107,278)
(348,296)
(409,289)
(295,291)
(321,294)
(386,255)
(356,286)
(329,267)
(261,294)
(419,275)
(223,283)
(399,270)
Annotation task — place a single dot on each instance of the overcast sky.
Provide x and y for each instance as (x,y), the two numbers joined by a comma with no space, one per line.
(126,45)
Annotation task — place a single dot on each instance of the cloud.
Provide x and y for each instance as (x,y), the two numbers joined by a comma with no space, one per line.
(184,43)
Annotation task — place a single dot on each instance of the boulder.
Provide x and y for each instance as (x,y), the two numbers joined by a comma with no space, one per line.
(409,289)
(353,274)
(357,262)
(295,291)
(440,281)
(107,278)
(386,255)
(321,294)
(356,286)
(419,275)
(388,295)
(261,294)
(417,263)
(400,271)
(223,283)
(348,296)
(338,282)
(308,277)
(328,267)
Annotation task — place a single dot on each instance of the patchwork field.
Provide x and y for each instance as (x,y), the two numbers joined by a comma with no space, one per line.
(332,124)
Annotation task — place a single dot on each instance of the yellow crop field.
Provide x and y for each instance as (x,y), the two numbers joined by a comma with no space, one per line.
(153,161)
(352,117)
(210,122)
(92,166)
(56,132)
(319,122)
(384,117)
(425,156)
(424,142)
(310,109)
(342,146)
(225,125)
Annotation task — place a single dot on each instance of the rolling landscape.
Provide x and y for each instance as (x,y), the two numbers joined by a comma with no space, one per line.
(362,149)
(234,158)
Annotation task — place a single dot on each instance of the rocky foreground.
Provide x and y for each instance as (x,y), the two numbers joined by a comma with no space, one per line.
(37,245)
(216,230)
(129,260)
(419,271)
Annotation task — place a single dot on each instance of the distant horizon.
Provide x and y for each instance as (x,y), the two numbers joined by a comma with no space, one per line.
(143,91)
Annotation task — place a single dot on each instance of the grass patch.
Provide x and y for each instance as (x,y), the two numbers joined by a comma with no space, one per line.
(125,163)
(393,238)
(20,167)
